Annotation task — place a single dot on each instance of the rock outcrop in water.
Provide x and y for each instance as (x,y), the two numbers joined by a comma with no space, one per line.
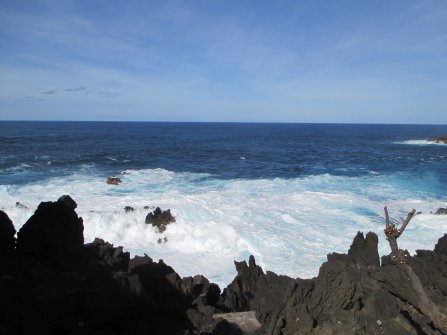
(441,211)
(53,283)
(439,139)
(113,180)
(160,219)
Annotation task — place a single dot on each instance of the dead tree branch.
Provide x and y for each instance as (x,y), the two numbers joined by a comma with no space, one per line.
(387,218)
(392,234)
(404,225)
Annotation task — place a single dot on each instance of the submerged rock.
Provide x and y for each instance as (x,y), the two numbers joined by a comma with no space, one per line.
(160,219)
(128,209)
(20,205)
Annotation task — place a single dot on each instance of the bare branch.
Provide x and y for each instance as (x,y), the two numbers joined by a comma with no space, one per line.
(404,225)
(387,217)
(392,234)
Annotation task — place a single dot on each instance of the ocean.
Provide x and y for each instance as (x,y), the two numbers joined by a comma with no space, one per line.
(286,193)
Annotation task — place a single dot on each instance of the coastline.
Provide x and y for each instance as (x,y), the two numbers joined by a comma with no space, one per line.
(219,221)
(96,287)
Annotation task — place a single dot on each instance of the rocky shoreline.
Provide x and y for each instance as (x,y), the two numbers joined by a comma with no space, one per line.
(53,283)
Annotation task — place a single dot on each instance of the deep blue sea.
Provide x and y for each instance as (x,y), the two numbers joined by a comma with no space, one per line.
(287,193)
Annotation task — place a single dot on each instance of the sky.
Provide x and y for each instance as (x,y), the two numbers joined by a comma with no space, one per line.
(339,61)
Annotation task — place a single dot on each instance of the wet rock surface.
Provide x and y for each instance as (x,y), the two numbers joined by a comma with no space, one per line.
(441,211)
(128,209)
(53,283)
(160,219)
(113,180)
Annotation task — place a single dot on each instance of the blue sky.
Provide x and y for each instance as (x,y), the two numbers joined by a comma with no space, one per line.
(264,61)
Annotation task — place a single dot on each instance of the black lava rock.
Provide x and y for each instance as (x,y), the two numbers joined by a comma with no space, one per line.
(160,219)
(7,232)
(55,228)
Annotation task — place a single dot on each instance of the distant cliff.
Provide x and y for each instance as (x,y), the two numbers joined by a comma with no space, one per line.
(53,283)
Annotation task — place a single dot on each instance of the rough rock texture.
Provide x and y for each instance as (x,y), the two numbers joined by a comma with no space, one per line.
(160,219)
(51,283)
(46,288)
(246,322)
(55,228)
(351,295)
(7,232)
(200,290)
(105,254)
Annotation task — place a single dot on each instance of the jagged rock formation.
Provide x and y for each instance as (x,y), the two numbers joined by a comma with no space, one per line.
(352,294)
(52,283)
(160,219)
(55,228)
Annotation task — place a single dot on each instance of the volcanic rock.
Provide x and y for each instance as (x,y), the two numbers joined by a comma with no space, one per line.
(67,201)
(7,232)
(441,246)
(99,290)
(160,219)
(246,321)
(200,290)
(104,253)
(351,295)
(441,211)
(54,228)
(113,181)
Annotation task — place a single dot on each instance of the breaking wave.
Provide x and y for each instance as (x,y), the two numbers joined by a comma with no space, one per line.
(288,224)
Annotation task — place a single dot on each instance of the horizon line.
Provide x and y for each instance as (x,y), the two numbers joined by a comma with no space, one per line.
(230,122)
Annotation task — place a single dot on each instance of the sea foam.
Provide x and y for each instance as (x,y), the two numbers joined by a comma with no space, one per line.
(420,142)
(289,225)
